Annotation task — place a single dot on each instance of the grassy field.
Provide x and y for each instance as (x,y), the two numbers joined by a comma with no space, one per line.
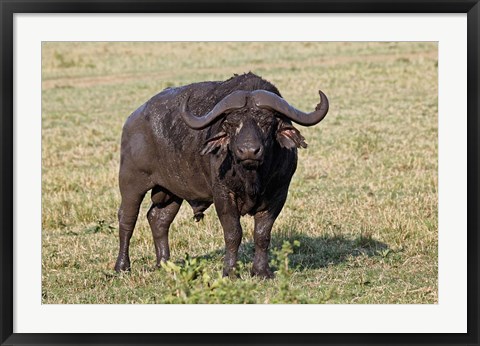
(360,223)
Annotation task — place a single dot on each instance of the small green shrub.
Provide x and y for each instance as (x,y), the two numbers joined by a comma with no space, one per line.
(191,283)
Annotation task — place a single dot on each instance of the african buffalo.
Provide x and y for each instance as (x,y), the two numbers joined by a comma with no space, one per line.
(229,143)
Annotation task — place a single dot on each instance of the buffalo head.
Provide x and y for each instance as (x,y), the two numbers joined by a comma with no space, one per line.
(251,122)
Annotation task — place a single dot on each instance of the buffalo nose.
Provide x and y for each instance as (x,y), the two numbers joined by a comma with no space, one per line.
(250,152)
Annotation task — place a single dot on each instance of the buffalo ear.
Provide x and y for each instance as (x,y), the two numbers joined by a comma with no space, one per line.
(289,137)
(219,140)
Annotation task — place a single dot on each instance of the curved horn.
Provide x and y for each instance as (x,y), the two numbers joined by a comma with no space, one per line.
(236,99)
(266,99)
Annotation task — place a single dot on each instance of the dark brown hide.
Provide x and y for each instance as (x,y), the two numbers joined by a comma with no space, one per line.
(242,162)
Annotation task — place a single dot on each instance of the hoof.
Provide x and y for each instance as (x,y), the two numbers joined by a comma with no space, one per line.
(264,273)
(162,260)
(230,273)
(122,265)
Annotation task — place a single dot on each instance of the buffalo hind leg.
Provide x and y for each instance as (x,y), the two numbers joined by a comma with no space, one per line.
(164,208)
(127,217)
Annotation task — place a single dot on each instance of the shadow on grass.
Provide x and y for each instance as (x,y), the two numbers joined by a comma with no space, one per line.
(313,252)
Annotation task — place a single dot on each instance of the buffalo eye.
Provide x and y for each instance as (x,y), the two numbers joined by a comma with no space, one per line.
(265,124)
(228,126)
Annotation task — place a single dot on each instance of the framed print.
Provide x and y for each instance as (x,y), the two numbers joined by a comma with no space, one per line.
(308,172)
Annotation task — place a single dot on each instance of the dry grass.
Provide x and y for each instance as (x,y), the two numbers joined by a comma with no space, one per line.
(363,202)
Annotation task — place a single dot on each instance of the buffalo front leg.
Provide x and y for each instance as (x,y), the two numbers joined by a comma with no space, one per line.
(160,216)
(264,221)
(229,217)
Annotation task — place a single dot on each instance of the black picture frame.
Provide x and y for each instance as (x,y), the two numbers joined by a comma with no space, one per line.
(9,7)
